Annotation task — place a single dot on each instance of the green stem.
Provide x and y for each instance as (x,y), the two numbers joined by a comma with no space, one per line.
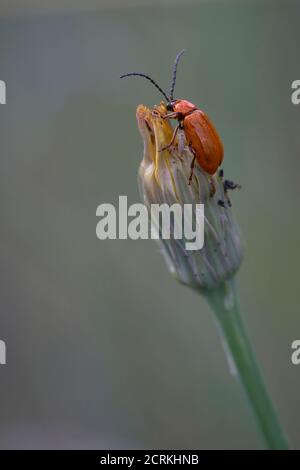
(224,302)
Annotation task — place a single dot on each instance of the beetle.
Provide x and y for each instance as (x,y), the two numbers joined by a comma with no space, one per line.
(200,133)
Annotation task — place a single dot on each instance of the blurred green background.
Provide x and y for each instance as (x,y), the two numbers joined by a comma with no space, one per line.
(104,349)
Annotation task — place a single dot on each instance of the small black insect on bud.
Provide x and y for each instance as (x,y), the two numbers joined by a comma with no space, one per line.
(230,185)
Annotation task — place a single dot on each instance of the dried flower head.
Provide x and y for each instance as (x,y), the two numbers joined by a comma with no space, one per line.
(163,178)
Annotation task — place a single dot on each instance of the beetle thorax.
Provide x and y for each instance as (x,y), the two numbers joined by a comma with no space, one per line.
(183,107)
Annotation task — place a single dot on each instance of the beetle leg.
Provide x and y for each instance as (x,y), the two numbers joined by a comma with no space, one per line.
(170,116)
(172,140)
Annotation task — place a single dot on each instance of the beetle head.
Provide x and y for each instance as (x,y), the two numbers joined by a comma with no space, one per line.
(170,105)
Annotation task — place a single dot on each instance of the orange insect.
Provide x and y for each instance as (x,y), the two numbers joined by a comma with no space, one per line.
(200,133)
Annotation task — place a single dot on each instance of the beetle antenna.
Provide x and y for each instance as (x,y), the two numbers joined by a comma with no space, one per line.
(150,80)
(175,73)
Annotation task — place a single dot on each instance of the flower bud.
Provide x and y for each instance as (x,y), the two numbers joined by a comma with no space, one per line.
(164,178)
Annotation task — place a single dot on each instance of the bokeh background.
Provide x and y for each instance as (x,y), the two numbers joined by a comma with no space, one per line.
(104,349)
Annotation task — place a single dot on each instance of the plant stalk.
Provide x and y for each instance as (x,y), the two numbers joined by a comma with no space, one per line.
(224,302)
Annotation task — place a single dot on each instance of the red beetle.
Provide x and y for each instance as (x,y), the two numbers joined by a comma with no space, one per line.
(200,133)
